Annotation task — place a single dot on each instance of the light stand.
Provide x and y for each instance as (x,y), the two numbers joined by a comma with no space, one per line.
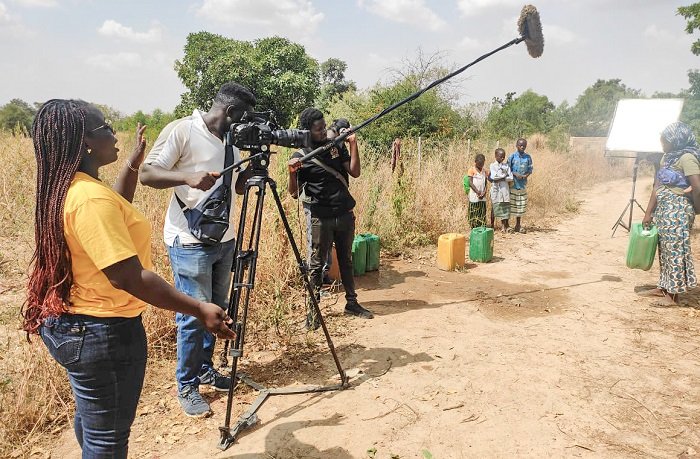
(630,205)
(245,263)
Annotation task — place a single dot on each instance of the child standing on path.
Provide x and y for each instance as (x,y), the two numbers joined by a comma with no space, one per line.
(477,192)
(500,176)
(520,163)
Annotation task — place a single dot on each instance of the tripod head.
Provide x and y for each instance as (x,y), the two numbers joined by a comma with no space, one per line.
(259,157)
(260,161)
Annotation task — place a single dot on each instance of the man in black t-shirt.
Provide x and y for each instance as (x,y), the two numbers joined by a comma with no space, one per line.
(323,186)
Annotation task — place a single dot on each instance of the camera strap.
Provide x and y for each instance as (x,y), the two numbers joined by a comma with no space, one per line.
(331,171)
(228,178)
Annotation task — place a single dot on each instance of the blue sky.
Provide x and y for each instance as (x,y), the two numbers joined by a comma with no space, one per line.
(121,53)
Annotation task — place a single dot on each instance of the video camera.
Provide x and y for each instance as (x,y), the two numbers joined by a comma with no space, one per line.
(259,129)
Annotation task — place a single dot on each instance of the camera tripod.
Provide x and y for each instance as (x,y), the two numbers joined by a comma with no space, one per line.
(244,268)
(632,202)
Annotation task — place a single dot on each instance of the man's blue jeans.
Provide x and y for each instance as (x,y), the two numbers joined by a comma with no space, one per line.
(204,273)
(106,362)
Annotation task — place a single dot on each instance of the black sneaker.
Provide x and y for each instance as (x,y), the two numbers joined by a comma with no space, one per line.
(327,280)
(216,380)
(355,309)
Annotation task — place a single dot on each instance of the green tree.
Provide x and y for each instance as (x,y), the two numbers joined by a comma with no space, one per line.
(519,116)
(282,76)
(594,109)
(691,106)
(691,13)
(432,115)
(154,121)
(111,114)
(17,114)
(333,82)
(429,115)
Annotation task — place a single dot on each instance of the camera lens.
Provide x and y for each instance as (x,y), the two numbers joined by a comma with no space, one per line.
(294,138)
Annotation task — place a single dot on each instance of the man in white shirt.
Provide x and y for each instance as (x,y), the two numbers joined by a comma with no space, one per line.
(187,156)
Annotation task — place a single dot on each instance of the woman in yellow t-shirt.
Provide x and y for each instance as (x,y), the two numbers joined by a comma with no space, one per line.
(672,205)
(91,277)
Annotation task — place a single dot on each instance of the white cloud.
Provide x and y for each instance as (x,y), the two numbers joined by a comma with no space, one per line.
(111,62)
(413,12)
(5,17)
(114,29)
(469,43)
(553,34)
(38,3)
(296,18)
(557,35)
(510,28)
(11,25)
(472,7)
(657,33)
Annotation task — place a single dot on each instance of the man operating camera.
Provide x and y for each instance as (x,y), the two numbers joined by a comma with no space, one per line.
(322,183)
(187,157)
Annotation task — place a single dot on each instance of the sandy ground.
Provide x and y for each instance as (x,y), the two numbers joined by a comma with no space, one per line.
(545,352)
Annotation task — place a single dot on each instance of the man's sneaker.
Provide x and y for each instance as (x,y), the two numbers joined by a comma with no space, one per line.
(192,402)
(327,280)
(355,309)
(216,380)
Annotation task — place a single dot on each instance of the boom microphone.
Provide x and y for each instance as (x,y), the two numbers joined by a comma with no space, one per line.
(530,29)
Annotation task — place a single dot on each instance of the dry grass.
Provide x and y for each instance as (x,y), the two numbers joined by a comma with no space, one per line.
(427,199)
(405,209)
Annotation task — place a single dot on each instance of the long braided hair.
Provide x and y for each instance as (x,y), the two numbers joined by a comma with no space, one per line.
(58,133)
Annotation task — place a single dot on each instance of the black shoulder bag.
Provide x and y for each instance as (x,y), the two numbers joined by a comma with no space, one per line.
(208,221)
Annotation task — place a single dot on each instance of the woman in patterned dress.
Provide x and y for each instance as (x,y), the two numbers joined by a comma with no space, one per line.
(674,201)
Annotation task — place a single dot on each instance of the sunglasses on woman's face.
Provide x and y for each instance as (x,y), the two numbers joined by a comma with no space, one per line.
(106,126)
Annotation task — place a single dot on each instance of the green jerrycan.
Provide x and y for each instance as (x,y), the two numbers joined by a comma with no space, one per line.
(465,184)
(481,244)
(359,255)
(641,249)
(372,252)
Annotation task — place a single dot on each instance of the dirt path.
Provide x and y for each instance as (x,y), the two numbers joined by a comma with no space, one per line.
(546,351)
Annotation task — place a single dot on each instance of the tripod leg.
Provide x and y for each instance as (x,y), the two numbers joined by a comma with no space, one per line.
(631,203)
(306,280)
(245,263)
(620,221)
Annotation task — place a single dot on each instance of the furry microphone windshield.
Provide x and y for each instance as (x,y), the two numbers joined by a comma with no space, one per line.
(530,29)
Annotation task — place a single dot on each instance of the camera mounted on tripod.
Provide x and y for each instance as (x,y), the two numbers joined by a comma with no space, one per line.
(256,131)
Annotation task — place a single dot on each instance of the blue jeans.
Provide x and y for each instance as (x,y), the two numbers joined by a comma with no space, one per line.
(106,361)
(204,273)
